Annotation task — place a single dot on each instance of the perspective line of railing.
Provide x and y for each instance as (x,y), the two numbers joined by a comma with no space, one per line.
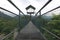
(43,35)
(50,32)
(9,35)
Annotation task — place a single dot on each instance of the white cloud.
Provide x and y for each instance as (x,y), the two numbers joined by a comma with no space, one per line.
(5,4)
(52,5)
(22,4)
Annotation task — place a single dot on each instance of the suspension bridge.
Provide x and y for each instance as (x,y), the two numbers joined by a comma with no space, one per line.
(30,31)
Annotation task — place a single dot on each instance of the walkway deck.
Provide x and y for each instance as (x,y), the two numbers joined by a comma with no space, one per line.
(30,32)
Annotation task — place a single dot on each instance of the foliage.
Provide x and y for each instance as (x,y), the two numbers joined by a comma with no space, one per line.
(52,25)
(7,25)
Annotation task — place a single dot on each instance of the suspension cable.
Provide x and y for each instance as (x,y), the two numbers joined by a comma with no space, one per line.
(8,11)
(15,6)
(43,7)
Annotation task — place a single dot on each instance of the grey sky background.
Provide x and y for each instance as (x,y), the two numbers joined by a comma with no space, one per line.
(22,4)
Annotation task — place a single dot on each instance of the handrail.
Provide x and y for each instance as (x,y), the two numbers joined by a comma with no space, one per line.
(43,35)
(50,32)
(43,7)
(15,6)
(7,36)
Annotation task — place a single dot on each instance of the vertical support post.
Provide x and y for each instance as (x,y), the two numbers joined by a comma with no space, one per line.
(19,22)
(40,13)
(40,18)
(30,16)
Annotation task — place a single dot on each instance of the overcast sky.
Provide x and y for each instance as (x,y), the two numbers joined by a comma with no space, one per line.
(22,4)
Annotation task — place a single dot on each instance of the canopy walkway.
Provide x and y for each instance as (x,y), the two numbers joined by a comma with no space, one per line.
(24,27)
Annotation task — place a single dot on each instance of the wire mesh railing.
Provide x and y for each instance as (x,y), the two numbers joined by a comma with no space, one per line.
(8,36)
(8,22)
(11,36)
(9,19)
(51,34)
(48,23)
